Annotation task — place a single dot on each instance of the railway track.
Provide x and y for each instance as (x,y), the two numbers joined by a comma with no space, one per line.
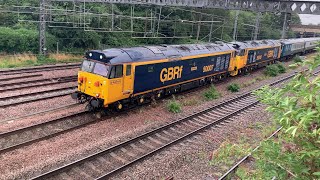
(40,112)
(8,144)
(24,136)
(109,161)
(52,128)
(36,96)
(39,69)
(36,83)
(20,77)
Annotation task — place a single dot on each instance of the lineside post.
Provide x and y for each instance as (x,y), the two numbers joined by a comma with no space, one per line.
(42,28)
(256,29)
(284,26)
(235,25)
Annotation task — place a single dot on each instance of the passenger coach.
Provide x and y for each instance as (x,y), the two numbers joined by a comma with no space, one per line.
(293,47)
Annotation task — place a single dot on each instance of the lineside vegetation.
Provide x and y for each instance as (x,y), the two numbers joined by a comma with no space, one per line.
(274,69)
(211,93)
(174,106)
(234,87)
(295,154)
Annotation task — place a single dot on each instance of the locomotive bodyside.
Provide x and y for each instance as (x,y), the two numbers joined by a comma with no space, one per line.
(257,53)
(117,76)
(156,76)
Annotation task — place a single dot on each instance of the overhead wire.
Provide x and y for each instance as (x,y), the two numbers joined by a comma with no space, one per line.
(83,12)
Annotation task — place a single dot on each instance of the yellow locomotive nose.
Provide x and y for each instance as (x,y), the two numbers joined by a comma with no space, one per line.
(91,84)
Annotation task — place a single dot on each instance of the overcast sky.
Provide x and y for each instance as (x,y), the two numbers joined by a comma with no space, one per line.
(310,19)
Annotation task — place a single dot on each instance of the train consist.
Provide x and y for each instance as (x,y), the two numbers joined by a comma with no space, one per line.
(121,77)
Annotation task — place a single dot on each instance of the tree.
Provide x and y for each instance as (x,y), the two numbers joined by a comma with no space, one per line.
(87,32)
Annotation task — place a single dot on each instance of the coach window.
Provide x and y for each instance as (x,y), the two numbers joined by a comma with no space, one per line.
(116,71)
(128,70)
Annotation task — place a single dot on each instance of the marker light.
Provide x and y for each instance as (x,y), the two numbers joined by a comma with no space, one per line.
(97,84)
(81,79)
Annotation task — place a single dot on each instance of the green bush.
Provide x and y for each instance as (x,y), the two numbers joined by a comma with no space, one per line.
(234,87)
(174,106)
(22,40)
(271,70)
(211,94)
(281,67)
(297,59)
(295,153)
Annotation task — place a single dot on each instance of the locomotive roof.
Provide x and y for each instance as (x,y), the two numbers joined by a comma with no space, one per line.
(290,41)
(147,53)
(298,40)
(312,39)
(260,43)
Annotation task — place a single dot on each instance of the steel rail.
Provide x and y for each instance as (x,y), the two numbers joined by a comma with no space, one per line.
(39,69)
(35,93)
(15,102)
(42,82)
(20,77)
(40,112)
(37,80)
(34,129)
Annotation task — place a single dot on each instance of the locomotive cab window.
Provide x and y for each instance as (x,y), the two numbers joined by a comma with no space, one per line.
(128,70)
(87,66)
(241,53)
(101,69)
(116,71)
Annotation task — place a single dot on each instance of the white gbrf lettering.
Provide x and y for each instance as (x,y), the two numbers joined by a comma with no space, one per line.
(168,74)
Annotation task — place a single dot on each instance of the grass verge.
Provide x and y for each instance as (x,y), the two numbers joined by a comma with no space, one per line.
(27,60)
